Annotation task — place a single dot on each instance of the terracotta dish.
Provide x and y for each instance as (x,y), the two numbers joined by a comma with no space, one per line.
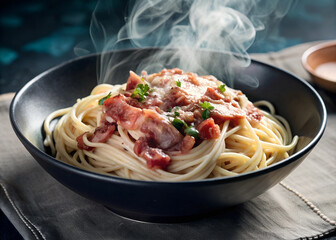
(320,62)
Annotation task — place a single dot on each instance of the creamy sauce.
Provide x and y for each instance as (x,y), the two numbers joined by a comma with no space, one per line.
(327,71)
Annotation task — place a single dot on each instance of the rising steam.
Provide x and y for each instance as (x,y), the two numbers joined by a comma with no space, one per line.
(189,27)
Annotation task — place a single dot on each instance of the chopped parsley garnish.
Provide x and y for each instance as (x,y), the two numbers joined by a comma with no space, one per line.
(141,90)
(190,130)
(206,114)
(222,88)
(178,124)
(176,114)
(207,107)
(178,83)
(102,100)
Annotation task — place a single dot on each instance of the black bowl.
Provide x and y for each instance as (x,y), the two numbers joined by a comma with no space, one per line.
(59,87)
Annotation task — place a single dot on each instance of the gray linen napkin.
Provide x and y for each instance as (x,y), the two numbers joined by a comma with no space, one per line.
(41,208)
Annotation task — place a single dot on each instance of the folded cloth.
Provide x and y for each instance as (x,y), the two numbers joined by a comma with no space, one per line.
(41,208)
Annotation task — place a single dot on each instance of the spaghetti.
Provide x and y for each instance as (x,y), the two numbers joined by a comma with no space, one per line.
(168,126)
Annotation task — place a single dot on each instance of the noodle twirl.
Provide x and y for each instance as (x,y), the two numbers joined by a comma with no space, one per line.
(169,126)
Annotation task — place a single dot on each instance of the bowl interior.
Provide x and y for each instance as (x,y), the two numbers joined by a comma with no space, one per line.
(60,87)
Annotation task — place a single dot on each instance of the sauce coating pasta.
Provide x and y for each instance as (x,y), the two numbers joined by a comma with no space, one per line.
(169,126)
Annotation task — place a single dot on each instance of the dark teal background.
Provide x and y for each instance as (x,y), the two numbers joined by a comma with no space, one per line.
(37,35)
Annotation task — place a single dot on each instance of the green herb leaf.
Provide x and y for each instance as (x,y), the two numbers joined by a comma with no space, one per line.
(141,90)
(176,114)
(222,88)
(178,83)
(178,123)
(206,114)
(135,92)
(192,131)
(206,105)
(102,100)
(169,109)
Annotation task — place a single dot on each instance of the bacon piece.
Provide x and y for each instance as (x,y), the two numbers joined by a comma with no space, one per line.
(124,114)
(226,111)
(187,143)
(160,130)
(179,97)
(192,78)
(188,117)
(153,101)
(171,71)
(81,144)
(164,76)
(103,133)
(176,97)
(214,93)
(155,157)
(100,135)
(154,126)
(254,115)
(151,118)
(208,129)
(133,81)
(184,146)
